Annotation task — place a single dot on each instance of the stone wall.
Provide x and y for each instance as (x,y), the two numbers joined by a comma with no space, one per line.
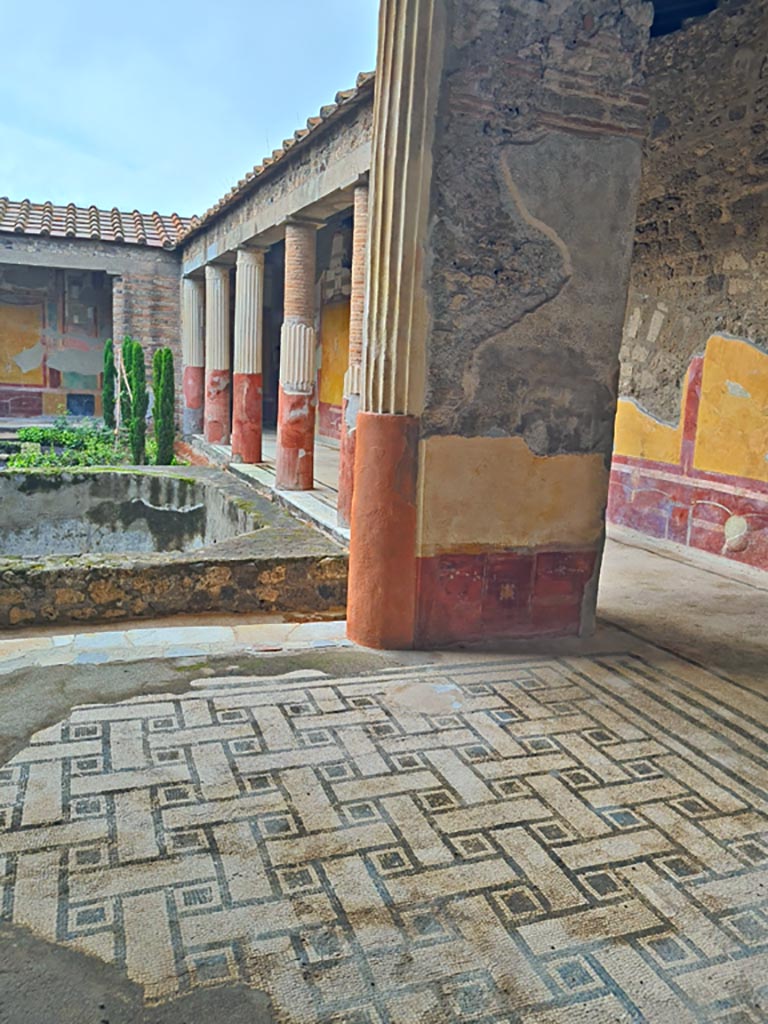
(700,262)
(255,556)
(147,307)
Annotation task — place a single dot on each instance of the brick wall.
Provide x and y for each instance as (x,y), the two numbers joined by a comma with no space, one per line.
(146,306)
(700,263)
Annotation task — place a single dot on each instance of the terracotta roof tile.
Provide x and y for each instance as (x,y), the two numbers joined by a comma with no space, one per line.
(343,98)
(88,222)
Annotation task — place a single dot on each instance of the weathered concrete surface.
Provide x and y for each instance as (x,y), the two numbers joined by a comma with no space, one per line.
(112,512)
(42,984)
(712,613)
(256,557)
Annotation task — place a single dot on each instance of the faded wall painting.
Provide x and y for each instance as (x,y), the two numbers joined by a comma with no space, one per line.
(333,334)
(53,325)
(704,481)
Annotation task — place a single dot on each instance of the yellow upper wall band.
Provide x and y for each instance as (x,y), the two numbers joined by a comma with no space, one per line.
(481,493)
(732,427)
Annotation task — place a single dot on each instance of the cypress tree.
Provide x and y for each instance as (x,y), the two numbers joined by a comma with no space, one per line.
(137,428)
(108,385)
(164,389)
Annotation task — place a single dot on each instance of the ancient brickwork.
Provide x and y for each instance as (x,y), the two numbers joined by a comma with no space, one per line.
(146,305)
(701,251)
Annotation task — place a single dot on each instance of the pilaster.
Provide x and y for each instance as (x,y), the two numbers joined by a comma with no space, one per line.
(353,376)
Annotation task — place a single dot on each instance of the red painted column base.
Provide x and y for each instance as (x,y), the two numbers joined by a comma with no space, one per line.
(381,603)
(217,408)
(295,461)
(347,460)
(246,417)
(193,390)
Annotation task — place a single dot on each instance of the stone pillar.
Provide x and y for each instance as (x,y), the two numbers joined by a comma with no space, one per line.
(495,307)
(351,401)
(217,372)
(192,354)
(294,469)
(246,378)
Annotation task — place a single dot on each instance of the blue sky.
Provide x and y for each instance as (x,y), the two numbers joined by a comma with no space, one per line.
(164,104)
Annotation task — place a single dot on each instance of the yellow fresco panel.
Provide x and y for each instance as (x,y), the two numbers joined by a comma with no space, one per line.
(641,436)
(482,493)
(334,342)
(21,329)
(732,430)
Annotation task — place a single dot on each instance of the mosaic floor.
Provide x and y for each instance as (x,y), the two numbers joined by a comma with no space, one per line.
(490,842)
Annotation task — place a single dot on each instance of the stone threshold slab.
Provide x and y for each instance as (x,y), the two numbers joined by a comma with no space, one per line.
(148,642)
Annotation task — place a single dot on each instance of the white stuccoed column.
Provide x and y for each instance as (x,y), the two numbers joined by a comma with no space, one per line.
(217,365)
(247,377)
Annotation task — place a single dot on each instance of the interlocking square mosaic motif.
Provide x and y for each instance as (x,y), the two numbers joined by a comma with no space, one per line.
(495,841)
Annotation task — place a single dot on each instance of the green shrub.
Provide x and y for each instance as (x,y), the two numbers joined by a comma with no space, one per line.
(87,444)
(164,390)
(108,384)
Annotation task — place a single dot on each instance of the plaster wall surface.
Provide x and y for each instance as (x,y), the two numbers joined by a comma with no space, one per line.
(53,324)
(704,482)
(86,292)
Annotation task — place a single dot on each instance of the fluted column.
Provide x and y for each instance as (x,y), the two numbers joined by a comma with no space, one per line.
(381,605)
(193,354)
(247,376)
(217,365)
(352,379)
(507,144)
(294,468)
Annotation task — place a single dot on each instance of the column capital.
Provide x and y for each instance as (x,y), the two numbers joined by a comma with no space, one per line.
(216,270)
(248,255)
(301,221)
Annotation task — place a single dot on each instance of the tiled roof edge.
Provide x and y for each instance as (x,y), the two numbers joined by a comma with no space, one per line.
(88,223)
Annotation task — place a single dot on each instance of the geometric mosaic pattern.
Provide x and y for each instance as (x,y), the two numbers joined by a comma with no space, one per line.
(489,841)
